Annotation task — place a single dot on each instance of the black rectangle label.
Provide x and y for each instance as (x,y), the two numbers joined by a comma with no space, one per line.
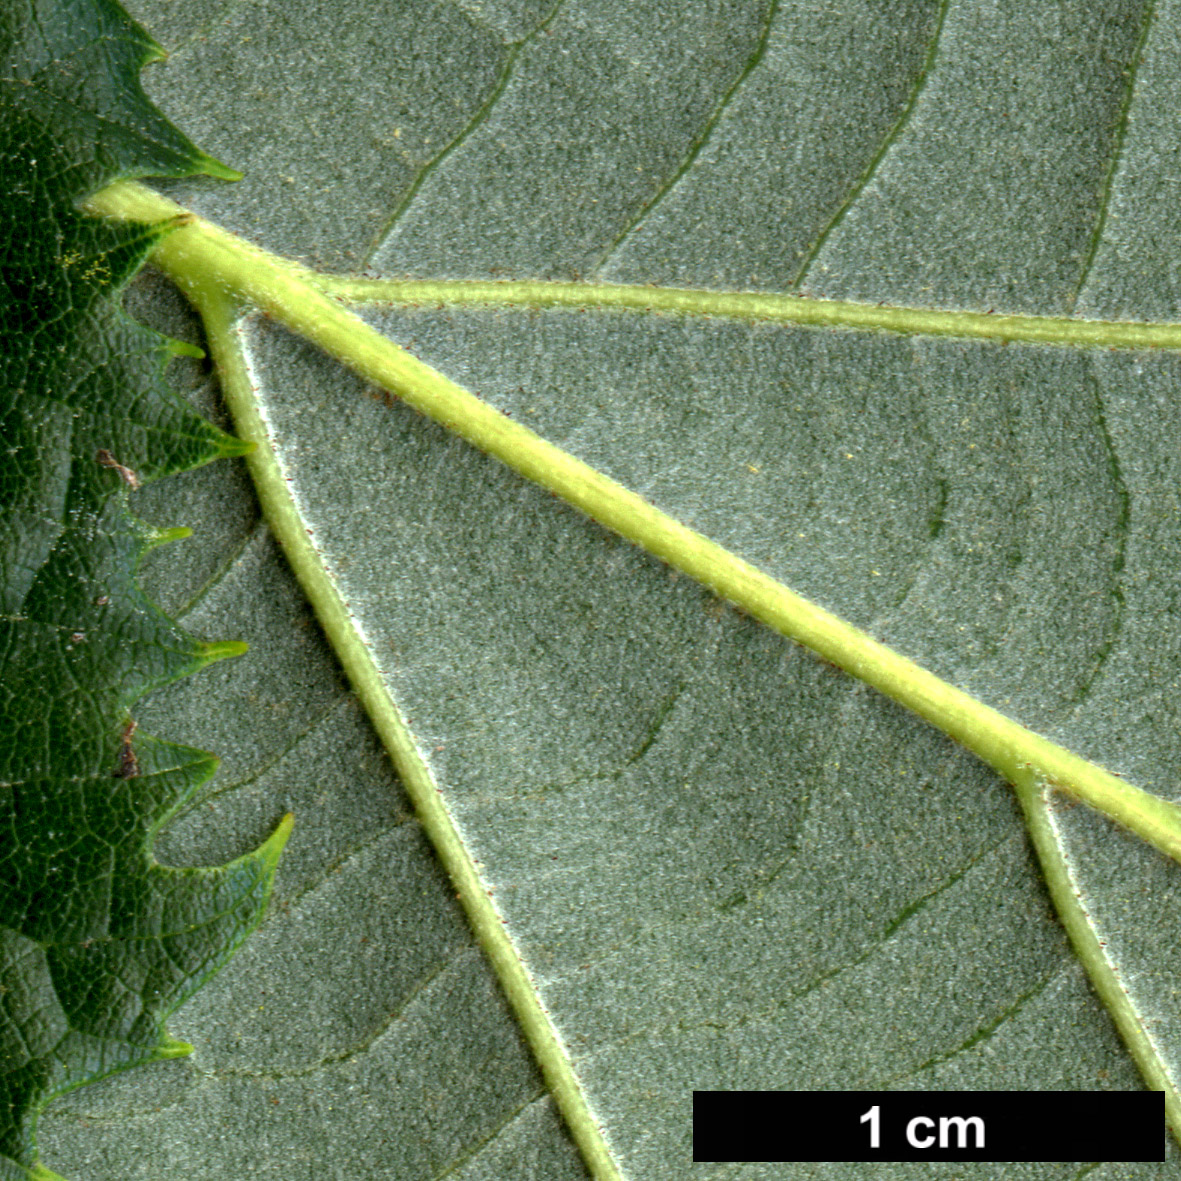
(989,1126)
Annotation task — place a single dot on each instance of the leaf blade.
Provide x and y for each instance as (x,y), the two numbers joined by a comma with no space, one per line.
(100,943)
(952,519)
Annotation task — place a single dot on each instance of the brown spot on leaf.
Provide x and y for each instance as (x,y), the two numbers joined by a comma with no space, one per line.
(128,477)
(128,764)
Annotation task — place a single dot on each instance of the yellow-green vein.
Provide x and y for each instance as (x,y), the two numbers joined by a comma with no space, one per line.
(208,263)
(221,315)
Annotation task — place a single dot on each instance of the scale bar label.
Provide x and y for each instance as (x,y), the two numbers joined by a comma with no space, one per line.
(888,1126)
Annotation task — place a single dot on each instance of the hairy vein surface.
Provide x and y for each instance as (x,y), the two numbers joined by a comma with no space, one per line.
(206,262)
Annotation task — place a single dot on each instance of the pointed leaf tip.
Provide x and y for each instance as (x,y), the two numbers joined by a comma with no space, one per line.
(267,855)
(181,348)
(155,537)
(214,167)
(41,1173)
(220,650)
(275,843)
(231,447)
(171,1047)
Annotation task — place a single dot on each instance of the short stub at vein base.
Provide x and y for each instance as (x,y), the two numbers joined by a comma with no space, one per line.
(903,1126)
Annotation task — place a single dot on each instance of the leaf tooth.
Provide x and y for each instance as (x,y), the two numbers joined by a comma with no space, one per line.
(169,776)
(178,902)
(231,447)
(211,166)
(171,929)
(182,348)
(171,1047)
(211,651)
(154,537)
(40,1173)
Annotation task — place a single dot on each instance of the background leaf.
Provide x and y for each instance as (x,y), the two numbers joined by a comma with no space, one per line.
(724,863)
(99,943)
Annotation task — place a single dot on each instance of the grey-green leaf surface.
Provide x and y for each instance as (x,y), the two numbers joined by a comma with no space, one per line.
(722,862)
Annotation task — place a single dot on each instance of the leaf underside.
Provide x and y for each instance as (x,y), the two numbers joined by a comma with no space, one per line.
(98,941)
(704,901)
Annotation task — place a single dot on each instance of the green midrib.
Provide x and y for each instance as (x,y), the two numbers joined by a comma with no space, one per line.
(207,262)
